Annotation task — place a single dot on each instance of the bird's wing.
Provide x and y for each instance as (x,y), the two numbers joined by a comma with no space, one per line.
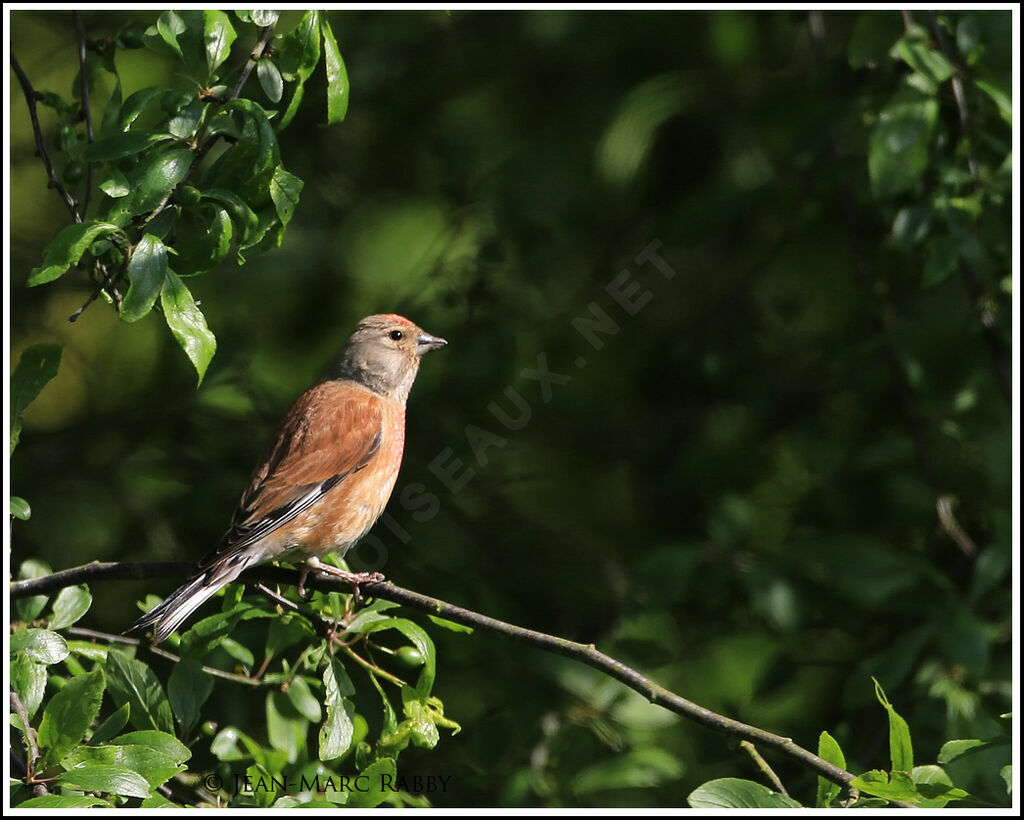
(330,432)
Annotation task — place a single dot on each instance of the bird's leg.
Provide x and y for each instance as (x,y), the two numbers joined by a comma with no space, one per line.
(304,571)
(313,564)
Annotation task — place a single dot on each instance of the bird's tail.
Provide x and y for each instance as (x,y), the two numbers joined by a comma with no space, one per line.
(185,600)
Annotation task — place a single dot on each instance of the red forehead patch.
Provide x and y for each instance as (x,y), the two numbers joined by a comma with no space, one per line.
(394,317)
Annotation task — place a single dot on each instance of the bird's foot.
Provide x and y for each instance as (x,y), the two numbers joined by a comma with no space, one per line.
(356,579)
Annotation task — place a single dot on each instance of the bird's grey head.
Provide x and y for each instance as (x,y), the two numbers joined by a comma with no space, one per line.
(384,354)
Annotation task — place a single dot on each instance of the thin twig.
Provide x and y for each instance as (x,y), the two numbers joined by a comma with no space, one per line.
(28,733)
(958,92)
(32,98)
(254,58)
(109,276)
(86,108)
(584,653)
(95,634)
(370,667)
(763,766)
(951,526)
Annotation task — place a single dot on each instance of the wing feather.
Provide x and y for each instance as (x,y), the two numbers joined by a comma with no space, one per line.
(331,432)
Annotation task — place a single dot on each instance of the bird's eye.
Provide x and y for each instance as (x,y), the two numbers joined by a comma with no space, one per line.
(396,335)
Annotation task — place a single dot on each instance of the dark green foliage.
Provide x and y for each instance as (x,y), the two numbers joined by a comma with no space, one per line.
(728,298)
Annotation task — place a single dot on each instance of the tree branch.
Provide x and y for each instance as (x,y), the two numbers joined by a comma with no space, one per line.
(32,99)
(763,767)
(86,107)
(584,653)
(254,58)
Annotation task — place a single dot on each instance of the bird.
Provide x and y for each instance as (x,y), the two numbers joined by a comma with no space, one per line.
(328,474)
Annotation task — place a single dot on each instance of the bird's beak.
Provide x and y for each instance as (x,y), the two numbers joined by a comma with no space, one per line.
(425,343)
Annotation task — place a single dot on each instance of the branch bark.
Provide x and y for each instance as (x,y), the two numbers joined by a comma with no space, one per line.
(32,100)
(584,653)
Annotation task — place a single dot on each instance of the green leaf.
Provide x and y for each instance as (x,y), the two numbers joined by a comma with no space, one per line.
(303,700)
(999,97)
(36,367)
(151,766)
(337,76)
(257,151)
(935,787)
(112,725)
(381,775)
(828,750)
(953,749)
(270,79)
(116,185)
(106,779)
(61,801)
(187,323)
(169,25)
(218,35)
(207,634)
(898,146)
(154,764)
(30,608)
(188,687)
(297,56)
(299,50)
(163,742)
(223,124)
(263,17)
(123,145)
(450,625)
(287,630)
(245,220)
(932,64)
(284,190)
(132,681)
(293,106)
(879,784)
(421,640)
(147,271)
(67,248)
(152,182)
(337,731)
(900,749)
(204,253)
(286,728)
(28,681)
(71,604)
(163,223)
(69,714)
(186,122)
(734,793)
(137,103)
(158,801)
(19,509)
(40,645)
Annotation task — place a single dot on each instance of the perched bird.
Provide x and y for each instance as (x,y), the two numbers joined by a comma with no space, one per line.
(329,473)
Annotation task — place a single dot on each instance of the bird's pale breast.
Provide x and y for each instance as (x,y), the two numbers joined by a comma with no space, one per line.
(348,511)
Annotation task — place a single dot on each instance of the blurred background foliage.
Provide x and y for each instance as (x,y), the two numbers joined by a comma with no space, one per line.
(737,493)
